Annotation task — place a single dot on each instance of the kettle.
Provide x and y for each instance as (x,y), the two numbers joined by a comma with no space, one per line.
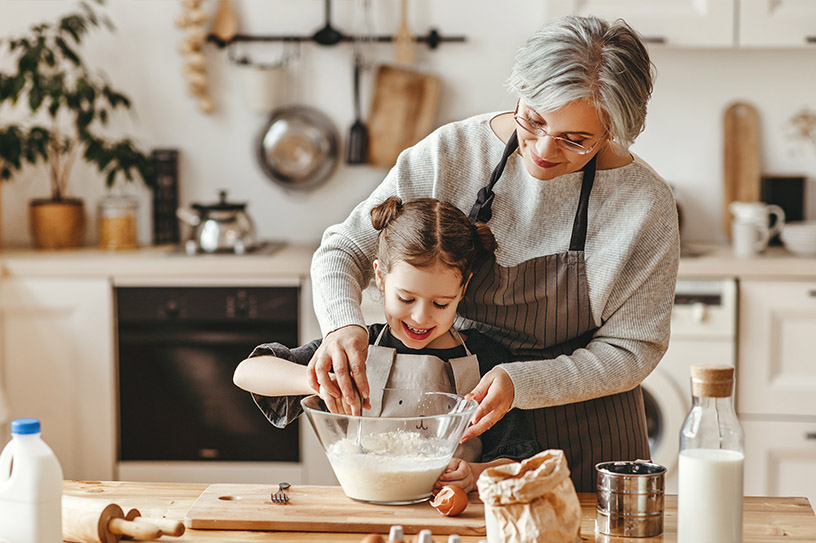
(218,228)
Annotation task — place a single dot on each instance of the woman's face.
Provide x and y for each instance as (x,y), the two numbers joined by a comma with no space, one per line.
(419,303)
(545,157)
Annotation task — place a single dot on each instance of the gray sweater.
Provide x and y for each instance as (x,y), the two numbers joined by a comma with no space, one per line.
(632,253)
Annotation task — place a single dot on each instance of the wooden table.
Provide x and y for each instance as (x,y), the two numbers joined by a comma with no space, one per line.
(766,520)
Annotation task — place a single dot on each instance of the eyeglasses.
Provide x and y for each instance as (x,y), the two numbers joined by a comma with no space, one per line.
(537,129)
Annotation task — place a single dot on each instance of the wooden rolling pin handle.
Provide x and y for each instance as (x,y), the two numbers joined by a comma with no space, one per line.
(136,530)
(168,526)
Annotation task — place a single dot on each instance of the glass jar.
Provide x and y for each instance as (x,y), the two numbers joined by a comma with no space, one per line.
(117,223)
(711,463)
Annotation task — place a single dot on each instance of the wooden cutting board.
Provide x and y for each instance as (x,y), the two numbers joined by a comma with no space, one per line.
(321,509)
(403,111)
(742,169)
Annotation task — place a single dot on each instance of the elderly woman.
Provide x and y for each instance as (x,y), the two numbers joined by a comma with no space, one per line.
(582,284)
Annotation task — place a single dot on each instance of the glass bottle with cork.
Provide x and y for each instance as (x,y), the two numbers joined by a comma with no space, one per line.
(711,463)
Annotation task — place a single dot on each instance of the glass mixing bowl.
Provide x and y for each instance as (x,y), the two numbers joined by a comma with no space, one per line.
(392,460)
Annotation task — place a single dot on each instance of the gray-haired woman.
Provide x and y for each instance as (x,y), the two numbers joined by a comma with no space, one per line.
(582,284)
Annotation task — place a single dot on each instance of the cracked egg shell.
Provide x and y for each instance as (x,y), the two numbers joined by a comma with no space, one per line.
(451,500)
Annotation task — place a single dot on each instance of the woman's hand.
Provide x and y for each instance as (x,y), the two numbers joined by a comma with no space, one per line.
(337,370)
(459,473)
(495,394)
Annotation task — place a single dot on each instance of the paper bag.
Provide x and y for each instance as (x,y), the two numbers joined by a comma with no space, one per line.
(533,501)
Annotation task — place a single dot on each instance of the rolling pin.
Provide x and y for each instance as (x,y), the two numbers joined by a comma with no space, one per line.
(95,521)
(166,525)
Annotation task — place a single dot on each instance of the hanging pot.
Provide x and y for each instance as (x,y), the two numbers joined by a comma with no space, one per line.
(223,227)
(298,148)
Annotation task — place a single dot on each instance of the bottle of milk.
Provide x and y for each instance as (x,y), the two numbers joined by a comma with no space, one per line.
(30,487)
(710,471)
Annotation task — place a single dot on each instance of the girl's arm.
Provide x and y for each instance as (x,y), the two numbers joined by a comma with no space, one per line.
(464,474)
(269,375)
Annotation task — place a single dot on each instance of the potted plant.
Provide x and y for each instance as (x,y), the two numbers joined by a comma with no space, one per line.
(69,107)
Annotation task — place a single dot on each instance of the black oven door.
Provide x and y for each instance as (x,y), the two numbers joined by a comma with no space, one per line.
(178,348)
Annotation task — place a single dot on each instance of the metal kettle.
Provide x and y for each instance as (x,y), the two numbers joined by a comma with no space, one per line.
(223,227)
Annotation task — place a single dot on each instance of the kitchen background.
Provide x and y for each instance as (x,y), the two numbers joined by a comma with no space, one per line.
(683,138)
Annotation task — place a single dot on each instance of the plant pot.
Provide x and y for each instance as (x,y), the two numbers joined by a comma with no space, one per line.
(57,224)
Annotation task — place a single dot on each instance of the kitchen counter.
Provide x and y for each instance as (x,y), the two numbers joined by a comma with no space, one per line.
(292,260)
(719,261)
(165,261)
(766,520)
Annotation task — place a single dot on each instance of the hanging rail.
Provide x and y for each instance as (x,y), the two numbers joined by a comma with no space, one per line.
(329,35)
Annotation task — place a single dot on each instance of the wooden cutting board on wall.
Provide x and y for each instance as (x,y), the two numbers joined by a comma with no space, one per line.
(742,166)
(403,111)
(321,509)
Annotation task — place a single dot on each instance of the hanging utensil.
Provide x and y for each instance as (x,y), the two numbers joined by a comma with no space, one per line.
(357,145)
(328,35)
(225,24)
(404,45)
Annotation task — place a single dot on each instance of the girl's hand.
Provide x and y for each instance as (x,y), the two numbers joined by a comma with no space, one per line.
(495,394)
(459,473)
(337,369)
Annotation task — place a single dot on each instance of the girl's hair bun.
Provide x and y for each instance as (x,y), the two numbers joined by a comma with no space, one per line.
(383,214)
(484,237)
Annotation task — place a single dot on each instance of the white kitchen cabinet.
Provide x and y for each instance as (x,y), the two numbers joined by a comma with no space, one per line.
(777,23)
(777,373)
(57,362)
(776,386)
(706,23)
(780,458)
(697,23)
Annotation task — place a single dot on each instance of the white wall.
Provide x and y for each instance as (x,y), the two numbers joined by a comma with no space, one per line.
(682,141)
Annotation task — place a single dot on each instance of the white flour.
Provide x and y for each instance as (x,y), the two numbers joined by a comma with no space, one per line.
(395,467)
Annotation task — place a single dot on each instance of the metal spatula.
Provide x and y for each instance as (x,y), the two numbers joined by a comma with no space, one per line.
(357,144)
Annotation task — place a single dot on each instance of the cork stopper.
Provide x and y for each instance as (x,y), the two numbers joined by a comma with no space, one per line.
(712,381)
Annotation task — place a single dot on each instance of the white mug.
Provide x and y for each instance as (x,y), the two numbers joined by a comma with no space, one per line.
(748,238)
(759,213)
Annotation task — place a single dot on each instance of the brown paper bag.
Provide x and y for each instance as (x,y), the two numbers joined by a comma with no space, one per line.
(533,501)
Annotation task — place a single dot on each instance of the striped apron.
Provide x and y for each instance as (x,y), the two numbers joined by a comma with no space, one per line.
(540,309)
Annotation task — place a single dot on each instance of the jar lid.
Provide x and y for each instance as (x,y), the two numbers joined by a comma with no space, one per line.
(712,381)
(25,426)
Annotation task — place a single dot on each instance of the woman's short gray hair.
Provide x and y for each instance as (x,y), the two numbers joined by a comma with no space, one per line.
(587,58)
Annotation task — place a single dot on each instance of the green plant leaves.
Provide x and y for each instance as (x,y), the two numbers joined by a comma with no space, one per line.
(51,74)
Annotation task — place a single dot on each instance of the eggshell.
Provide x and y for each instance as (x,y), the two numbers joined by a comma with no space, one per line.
(451,500)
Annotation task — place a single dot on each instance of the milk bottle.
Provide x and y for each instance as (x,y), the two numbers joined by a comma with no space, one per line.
(710,470)
(30,487)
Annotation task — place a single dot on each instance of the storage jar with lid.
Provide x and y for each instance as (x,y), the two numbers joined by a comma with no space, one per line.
(118,222)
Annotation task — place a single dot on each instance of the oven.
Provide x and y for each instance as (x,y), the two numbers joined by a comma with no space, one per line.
(180,417)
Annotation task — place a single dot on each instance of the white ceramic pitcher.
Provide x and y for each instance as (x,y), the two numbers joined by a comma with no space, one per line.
(751,228)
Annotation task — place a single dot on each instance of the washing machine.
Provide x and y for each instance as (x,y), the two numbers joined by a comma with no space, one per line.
(703,331)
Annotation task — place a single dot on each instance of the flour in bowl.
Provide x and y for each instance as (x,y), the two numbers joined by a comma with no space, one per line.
(395,466)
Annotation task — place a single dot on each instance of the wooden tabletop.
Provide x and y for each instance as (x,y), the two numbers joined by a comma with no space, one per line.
(766,520)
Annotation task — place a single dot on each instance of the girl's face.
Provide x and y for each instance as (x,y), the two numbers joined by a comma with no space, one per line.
(548,156)
(419,303)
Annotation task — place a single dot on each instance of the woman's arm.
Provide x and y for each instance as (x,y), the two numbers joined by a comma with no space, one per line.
(271,376)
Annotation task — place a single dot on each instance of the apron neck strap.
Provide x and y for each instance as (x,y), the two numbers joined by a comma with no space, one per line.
(457,336)
(482,210)
(579,225)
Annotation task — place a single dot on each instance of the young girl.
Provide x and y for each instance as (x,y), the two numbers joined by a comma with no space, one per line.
(427,250)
